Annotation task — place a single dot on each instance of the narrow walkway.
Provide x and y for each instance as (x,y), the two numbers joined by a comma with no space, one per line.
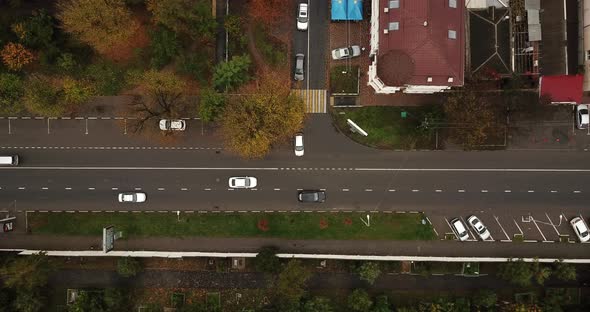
(318,281)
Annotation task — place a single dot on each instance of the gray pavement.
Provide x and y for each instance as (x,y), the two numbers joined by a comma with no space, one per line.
(361,247)
(312,43)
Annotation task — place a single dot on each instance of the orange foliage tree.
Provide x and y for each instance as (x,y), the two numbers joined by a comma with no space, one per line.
(15,56)
(269,12)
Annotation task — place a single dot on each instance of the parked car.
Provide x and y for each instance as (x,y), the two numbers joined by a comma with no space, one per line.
(132,197)
(345,53)
(299,74)
(242,182)
(302,20)
(311,196)
(581,229)
(479,228)
(459,229)
(299,144)
(172,125)
(582,118)
(7,227)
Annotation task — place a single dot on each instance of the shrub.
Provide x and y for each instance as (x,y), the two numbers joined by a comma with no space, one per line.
(15,56)
(232,74)
(11,91)
(128,266)
(107,78)
(197,65)
(267,261)
(164,45)
(211,104)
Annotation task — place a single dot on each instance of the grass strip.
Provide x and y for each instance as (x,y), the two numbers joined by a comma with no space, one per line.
(341,225)
(386,126)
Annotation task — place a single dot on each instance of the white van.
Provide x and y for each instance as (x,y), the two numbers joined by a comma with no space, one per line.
(9,160)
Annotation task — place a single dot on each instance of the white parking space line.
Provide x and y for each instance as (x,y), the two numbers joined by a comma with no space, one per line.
(68,188)
(345,190)
(537,226)
(183,189)
(521,232)
(368,190)
(461,191)
(553,225)
(114,188)
(138,188)
(451,228)
(91,188)
(391,190)
(438,191)
(468,228)
(503,230)
(277,189)
(507,191)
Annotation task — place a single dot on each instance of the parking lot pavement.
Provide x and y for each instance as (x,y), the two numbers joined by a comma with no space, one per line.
(535,227)
(32,132)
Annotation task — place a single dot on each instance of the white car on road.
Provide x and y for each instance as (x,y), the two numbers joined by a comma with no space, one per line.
(459,229)
(299,144)
(302,19)
(479,228)
(345,53)
(581,229)
(172,125)
(242,182)
(132,197)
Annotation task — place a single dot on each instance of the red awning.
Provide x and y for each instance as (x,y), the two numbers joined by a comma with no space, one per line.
(562,89)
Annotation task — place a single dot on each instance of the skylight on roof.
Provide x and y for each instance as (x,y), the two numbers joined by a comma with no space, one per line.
(394,26)
(452,34)
(394,4)
(453,4)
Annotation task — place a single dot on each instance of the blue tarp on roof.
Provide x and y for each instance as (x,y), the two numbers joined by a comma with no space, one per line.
(355,10)
(339,10)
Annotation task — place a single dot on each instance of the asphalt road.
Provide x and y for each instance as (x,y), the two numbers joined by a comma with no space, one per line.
(312,43)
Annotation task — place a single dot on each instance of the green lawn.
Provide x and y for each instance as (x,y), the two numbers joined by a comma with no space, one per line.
(339,225)
(344,79)
(386,127)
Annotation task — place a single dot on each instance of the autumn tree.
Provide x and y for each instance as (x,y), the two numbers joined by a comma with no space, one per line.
(254,122)
(471,118)
(564,271)
(159,94)
(103,25)
(28,272)
(15,56)
(290,284)
(55,96)
(517,272)
(191,17)
(269,12)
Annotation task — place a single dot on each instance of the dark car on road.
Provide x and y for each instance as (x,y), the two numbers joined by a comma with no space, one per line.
(311,196)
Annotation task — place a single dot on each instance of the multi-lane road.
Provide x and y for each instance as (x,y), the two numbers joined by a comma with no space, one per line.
(64,168)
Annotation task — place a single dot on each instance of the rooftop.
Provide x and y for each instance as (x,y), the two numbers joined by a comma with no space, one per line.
(421,42)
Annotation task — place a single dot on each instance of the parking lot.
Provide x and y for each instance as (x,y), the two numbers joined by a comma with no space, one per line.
(546,227)
(79,132)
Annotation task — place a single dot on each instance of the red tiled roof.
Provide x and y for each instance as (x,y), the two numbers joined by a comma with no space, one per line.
(432,52)
(563,88)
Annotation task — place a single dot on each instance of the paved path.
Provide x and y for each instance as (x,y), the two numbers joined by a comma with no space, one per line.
(242,280)
(389,248)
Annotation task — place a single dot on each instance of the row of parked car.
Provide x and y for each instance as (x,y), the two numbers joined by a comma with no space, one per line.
(337,54)
(577,223)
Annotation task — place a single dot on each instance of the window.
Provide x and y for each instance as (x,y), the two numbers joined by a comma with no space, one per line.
(394,26)
(587,55)
(428,79)
(394,4)
(452,34)
(453,4)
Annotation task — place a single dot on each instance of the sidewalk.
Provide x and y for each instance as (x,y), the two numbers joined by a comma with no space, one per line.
(361,247)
